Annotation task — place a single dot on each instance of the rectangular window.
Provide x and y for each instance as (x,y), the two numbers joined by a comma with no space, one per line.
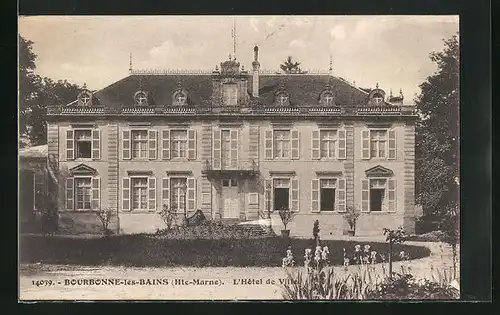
(281,193)
(83,146)
(139,193)
(281,143)
(178,141)
(377,194)
(230,94)
(327,194)
(226,148)
(139,144)
(378,143)
(328,141)
(178,188)
(83,193)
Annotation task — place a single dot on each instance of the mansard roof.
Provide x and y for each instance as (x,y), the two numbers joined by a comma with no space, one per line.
(303,89)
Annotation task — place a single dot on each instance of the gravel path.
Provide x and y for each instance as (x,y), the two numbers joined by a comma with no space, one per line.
(60,282)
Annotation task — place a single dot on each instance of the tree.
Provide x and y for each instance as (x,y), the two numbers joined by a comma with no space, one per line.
(36,93)
(28,82)
(437,134)
(290,66)
(450,226)
(393,237)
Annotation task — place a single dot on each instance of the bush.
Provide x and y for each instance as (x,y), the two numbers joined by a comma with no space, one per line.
(405,286)
(434,236)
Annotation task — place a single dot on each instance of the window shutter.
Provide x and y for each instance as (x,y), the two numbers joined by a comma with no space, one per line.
(152,144)
(391,192)
(341,195)
(295,195)
(191,194)
(315,145)
(96,144)
(216,150)
(365,144)
(268,194)
(295,144)
(315,195)
(126,193)
(165,192)
(165,137)
(126,144)
(69,193)
(365,195)
(152,194)
(392,144)
(268,144)
(342,145)
(234,148)
(96,193)
(191,144)
(70,145)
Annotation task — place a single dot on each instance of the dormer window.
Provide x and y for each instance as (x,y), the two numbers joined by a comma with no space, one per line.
(85,98)
(230,95)
(282,99)
(180,98)
(141,98)
(378,98)
(327,99)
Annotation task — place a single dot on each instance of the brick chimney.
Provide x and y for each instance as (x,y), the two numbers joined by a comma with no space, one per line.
(256,67)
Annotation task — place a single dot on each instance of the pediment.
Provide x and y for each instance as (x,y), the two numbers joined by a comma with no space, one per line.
(82,169)
(379,171)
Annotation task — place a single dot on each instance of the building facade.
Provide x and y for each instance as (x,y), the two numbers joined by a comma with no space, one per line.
(235,145)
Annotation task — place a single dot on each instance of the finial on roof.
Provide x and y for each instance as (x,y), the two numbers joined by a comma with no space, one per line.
(229,56)
(390,92)
(401,92)
(233,35)
(376,85)
(331,63)
(242,68)
(84,85)
(130,66)
(216,68)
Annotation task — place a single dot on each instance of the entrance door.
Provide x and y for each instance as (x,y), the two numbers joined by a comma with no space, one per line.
(230,199)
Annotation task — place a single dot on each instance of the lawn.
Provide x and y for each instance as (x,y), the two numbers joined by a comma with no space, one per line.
(147,250)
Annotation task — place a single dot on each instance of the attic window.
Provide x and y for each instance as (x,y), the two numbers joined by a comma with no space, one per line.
(141,98)
(377,98)
(180,98)
(85,98)
(282,99)
(327,99)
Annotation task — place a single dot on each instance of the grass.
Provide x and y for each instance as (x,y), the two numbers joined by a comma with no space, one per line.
(146,250)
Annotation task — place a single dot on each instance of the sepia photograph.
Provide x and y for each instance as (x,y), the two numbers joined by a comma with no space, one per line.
(222,157)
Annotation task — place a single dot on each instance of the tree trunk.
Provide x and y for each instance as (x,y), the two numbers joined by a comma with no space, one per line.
(454,253)
(390,260)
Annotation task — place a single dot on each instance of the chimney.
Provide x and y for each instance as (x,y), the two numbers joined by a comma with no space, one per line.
(256,67)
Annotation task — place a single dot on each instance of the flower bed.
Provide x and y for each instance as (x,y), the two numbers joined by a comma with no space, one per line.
(157,250)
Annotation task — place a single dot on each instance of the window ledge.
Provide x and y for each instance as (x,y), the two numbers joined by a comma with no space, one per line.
(378,212)
(139,211)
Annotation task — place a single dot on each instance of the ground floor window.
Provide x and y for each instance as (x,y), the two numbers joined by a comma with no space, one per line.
(83,193)
(377,194)
(178,194)
(139,193)
(281,193)
(327,194)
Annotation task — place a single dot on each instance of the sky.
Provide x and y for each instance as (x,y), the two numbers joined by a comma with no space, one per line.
(392,51)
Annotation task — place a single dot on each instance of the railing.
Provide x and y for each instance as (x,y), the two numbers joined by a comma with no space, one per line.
(242,165)
(378,110)
(236,110)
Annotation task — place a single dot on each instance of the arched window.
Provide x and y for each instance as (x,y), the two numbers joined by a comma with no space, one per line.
(377,98)
(282,99)
(327,99)
(180,98)
(141,98)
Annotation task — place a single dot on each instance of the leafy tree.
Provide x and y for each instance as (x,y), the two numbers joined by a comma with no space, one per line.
(36,93)
(437,134)
(290,66)
(450,226)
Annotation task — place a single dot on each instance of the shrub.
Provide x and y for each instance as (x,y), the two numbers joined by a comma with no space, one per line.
(105,216)
(286,216)
(167,215)
(316,233)
(351,216)
(405,286)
